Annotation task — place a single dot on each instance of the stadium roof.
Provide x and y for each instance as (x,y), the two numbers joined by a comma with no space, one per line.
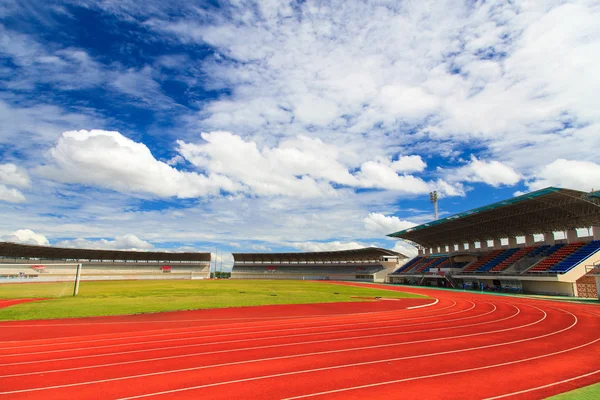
(368,253)
(547,210)
(16,250)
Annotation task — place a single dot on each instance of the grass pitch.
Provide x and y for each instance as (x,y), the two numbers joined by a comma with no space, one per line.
(133,297)
(591,392)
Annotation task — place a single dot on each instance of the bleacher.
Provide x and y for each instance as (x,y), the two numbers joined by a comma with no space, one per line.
(475,265)
(408,265)
(576,257)
(516,255)
(538,250)
(558,258)
(497,260)
(554,257)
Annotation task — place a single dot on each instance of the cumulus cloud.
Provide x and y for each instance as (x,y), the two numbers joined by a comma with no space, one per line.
(11,195)
(570,174)
(384,225)
(11,175)
(26,236)
(110,160)
(125,242)
(493,173)
(408,250)
(328,246)
(301,166)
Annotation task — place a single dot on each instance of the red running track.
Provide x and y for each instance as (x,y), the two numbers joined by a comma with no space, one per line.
(456,345)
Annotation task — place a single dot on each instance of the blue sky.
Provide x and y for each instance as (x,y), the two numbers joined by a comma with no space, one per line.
(273,125)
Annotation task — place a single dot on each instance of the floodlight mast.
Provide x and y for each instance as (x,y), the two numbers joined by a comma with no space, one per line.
(433,198)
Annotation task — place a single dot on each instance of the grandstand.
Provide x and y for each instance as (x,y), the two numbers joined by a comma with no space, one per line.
(496,245)
(370,264)
(48,263)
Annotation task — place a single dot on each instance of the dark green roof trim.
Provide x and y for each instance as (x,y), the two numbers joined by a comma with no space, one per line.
(489,207)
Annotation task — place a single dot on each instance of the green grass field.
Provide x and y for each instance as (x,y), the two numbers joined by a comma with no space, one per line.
(134,297)
(591,392)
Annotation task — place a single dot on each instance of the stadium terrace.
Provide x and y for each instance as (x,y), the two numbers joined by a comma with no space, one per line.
(511,245)
(43,263)
(370,264)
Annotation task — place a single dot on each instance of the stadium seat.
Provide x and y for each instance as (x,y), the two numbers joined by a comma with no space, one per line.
(562,252)
(497,260)
(513,258)
(475,265)
(408,265)
(576,257)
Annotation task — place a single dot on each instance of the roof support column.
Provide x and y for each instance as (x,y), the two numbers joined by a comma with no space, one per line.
(549,238)
(483,245)
(427,251)
(529,240)
(596,233)
(497,244)
(571,236)
(421,252)
(512,242)
(472,246)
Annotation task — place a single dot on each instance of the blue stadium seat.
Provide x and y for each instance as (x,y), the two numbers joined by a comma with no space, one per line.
(409,264)
(497,260)
(576,257)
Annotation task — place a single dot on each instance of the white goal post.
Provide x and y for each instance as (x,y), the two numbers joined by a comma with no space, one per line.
(41,272)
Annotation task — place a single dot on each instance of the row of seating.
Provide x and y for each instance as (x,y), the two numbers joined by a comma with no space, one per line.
(475,265)
(576,257)
(512,258)
(497,260)
(555,257)
(408,265)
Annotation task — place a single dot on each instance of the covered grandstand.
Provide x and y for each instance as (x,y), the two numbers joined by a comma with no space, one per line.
(45,263)
(495,246)
(369,264)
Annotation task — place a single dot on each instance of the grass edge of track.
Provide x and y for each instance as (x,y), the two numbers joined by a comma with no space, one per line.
(591,392)
(111,298)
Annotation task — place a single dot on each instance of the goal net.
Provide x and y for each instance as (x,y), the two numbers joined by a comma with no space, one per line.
(39,280)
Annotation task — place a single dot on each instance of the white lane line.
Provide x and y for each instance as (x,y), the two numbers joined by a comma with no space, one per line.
(368,363)
(375,314)
(544,386)
(181,320)
(312,354)
(243,340)
(261,347)
(424,305)
(421,377)
(294,327)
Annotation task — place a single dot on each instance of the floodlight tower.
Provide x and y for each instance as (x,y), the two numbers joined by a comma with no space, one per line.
(433,198)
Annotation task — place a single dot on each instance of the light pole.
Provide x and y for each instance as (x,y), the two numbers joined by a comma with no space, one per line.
(433,198)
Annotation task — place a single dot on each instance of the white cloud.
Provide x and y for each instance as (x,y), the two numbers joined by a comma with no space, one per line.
(493,173)
(125,242)
(11,195)
(570,174)
(26,236)
(409,164)
(12,175)
(301,166)
(328,246)
(110,160)
(514,78)
(408,250)
(384,225)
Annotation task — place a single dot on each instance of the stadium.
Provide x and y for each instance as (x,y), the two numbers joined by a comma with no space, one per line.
(495,305)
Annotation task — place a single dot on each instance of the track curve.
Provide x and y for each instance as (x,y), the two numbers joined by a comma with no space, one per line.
(460,345)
